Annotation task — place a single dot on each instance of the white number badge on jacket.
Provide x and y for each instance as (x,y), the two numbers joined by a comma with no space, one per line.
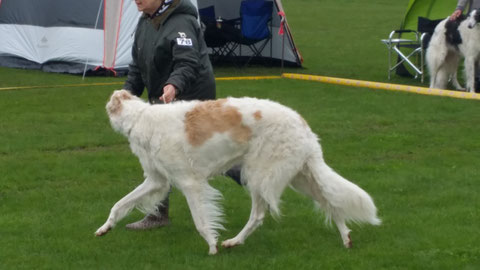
(183,40)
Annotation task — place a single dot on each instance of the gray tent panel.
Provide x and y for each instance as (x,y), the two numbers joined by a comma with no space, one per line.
(51,13)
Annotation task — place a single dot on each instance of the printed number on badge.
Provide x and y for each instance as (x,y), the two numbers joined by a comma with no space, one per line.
(184,41)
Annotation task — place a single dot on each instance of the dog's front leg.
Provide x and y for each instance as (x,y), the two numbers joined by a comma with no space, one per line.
(206,214)
(127,203)
(470,74)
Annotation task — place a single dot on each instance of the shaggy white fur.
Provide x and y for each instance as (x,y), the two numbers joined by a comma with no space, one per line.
(185,143)
(443,58)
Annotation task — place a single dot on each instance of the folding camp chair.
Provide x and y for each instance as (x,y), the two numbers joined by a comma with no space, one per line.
(395,43)
(212,34)
(417,44)
(220,35)
(255,25)
(207,14)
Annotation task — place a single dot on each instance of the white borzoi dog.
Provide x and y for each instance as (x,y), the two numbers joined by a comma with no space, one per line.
(447,45)
(185,143)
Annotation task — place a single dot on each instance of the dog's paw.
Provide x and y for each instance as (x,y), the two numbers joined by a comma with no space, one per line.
(348,243)
(103,230)
(470,89)
(230,243)
(213,250)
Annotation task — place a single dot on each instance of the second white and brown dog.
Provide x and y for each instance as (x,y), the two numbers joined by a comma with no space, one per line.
(184,144)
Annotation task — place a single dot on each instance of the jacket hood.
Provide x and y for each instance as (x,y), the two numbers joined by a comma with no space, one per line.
(174,7)
(185,7)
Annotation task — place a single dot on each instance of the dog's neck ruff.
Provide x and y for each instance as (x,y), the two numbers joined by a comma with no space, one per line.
(125,125)
(138,114)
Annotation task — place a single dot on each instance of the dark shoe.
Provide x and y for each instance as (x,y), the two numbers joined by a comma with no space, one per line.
(149,222)
(155,220)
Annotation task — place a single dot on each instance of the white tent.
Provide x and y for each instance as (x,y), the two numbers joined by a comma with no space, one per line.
(65,35)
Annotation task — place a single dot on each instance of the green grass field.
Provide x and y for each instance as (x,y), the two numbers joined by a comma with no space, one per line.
(63,167)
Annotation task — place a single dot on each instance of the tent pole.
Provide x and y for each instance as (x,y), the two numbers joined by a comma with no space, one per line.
(281,32)
(96,24)
(283,49)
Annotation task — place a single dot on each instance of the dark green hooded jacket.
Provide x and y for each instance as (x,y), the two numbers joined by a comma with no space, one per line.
(170,49)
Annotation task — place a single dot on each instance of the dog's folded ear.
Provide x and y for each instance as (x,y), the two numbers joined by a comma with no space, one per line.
(114,106)
(124,94)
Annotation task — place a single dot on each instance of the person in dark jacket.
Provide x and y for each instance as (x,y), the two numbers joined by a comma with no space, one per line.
(169,59)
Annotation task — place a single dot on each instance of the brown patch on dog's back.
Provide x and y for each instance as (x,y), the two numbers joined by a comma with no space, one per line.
(257,115)
(209,117)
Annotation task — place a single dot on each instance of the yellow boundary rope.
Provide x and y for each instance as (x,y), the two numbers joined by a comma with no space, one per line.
(57,86)
(248,78)
(323,79)
(384,86)
(120,83)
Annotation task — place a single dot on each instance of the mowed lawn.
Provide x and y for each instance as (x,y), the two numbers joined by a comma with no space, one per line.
(63,167)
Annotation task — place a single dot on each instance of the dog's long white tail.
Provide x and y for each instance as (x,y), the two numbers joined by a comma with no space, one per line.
(342,200)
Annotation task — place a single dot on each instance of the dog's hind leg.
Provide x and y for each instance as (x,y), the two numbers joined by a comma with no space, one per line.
(307,185)
(435,57)
(455,82)
(451,66)
(433,78)
(148,188)
(433,67)
(206,214)
(344,231)
(342,200)
(266,184)
(441,78)
(257,215)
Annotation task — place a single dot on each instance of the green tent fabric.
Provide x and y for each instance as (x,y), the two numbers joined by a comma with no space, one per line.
(431,9)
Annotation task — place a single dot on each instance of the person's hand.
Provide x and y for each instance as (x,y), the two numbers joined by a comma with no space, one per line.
(168,93)
(455,15)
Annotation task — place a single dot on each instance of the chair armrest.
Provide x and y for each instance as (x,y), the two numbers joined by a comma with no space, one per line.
(399,32)
(404,31)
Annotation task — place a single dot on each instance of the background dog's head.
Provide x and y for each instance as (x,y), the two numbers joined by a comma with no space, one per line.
(114,105)
(473,18)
